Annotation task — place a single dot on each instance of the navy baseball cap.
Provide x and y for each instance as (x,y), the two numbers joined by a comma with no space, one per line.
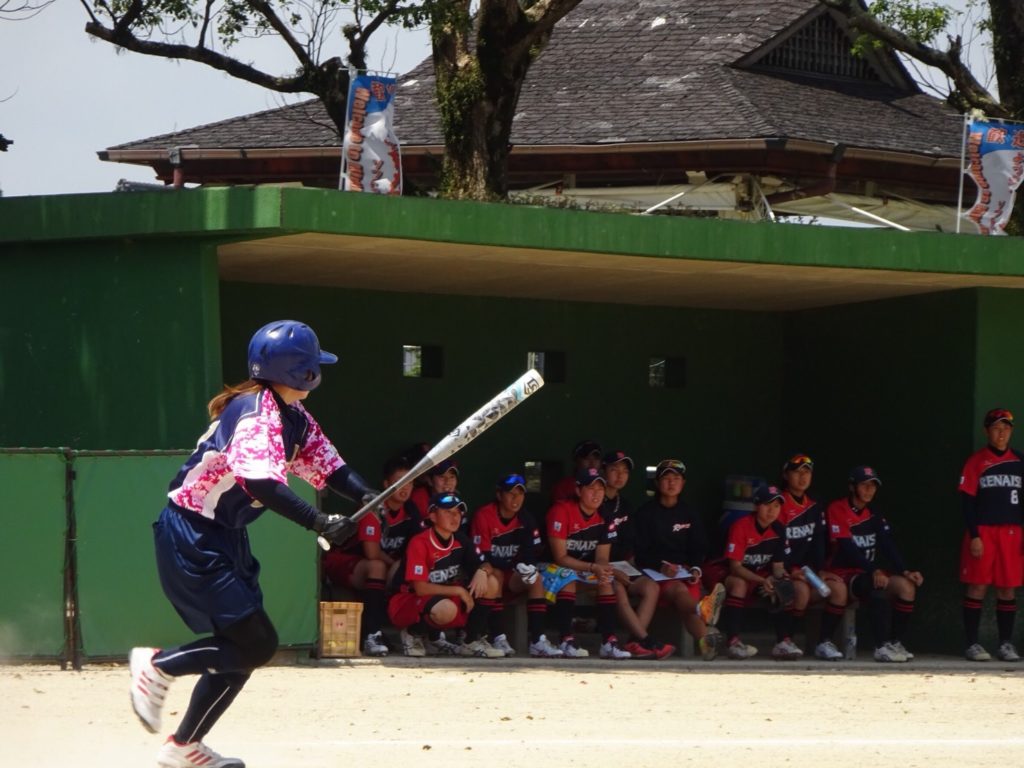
(443,466)
(766,494)
(589,476)
(796,461)
(996,415)
(863,474)
(586,448)
(669,465)
(614,457)
(447,501)
(508,482)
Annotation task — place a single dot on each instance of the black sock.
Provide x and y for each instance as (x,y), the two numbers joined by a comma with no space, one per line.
(972,619)
(732,615)
(879,615)
(902,610)
(496,617)
(374,606)
(476,624)
(830,618)
(564,606)
(536,617)
(606,616)
(1006,614)
(211,697)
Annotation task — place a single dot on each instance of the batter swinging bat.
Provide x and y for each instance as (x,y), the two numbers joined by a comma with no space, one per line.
(458,438)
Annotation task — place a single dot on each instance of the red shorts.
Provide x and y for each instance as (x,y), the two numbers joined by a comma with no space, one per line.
(1001,564)
(338,567)
(407,608)
(663,587)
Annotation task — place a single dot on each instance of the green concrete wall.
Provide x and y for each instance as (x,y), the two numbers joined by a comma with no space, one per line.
(724,421)
(111,345)
(891,384)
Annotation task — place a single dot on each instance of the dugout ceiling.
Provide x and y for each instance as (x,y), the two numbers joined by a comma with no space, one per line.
(346,240)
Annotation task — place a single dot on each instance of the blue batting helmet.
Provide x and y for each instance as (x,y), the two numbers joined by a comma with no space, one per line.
(287,352)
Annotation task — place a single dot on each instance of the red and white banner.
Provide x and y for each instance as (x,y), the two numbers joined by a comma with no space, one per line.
(371,155)
(994,159)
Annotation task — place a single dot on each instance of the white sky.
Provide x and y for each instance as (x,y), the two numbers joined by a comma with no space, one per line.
(64,96)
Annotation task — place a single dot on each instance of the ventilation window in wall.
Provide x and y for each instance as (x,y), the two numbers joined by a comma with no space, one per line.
(541,475)
(550,364)
(666,372)
(422,361)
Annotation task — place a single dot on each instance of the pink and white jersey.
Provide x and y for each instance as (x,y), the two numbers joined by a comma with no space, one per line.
(257,437)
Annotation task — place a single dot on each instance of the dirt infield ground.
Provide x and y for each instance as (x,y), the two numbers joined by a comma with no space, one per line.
(452,713)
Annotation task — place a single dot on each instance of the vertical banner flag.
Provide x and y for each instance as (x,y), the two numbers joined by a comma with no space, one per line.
(371,160)
(995,161)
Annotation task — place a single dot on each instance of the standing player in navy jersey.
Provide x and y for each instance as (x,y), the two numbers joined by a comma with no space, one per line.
(990,489)
(367,562)
(756,553)
(580,541)
(807,533)
(858,537)
(443,582)
(509,539)
(260,432)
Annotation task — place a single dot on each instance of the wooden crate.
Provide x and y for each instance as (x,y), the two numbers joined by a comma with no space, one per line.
(340,625)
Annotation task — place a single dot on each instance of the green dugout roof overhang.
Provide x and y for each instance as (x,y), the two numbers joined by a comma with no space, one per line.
(327,238)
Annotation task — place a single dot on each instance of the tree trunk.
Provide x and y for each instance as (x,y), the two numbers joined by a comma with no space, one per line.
(480,73)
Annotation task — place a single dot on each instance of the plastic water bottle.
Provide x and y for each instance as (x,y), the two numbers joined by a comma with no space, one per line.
(850,647)
(815,581)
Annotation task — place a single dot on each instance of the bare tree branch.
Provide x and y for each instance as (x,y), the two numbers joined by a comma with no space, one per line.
(949,62)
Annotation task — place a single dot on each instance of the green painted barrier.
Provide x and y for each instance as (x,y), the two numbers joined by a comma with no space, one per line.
(32,562)
(121,604)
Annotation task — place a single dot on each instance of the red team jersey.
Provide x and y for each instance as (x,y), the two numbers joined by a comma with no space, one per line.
(429,558)
(582,534)
(994,482)
(859,536)
(804,522)
(755,548)
(393,532)
(503,543)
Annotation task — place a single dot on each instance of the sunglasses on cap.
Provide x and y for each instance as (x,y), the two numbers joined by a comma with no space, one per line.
(799,460)
(998,414)
(511,481)
(449,501)
(669,465)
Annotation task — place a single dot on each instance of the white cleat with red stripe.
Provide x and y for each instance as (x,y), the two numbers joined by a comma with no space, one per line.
(149,687)
(193,755)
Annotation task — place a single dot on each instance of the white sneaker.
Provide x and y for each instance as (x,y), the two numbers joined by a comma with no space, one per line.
(441,646)
(827,650)
(193,755)
(502,644)
(544,649)
(481,649)
(740,651)
(412,645)
(888,653)
(570,650)
(611,650)
(898,645)
(977,653)
(149,687)
(786,650)
(1007,652)
(374,644)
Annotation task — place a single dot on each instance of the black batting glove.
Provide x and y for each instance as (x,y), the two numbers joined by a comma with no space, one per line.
(337,529)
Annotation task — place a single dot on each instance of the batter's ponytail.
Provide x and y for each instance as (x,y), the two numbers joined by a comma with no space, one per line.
(219,402)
